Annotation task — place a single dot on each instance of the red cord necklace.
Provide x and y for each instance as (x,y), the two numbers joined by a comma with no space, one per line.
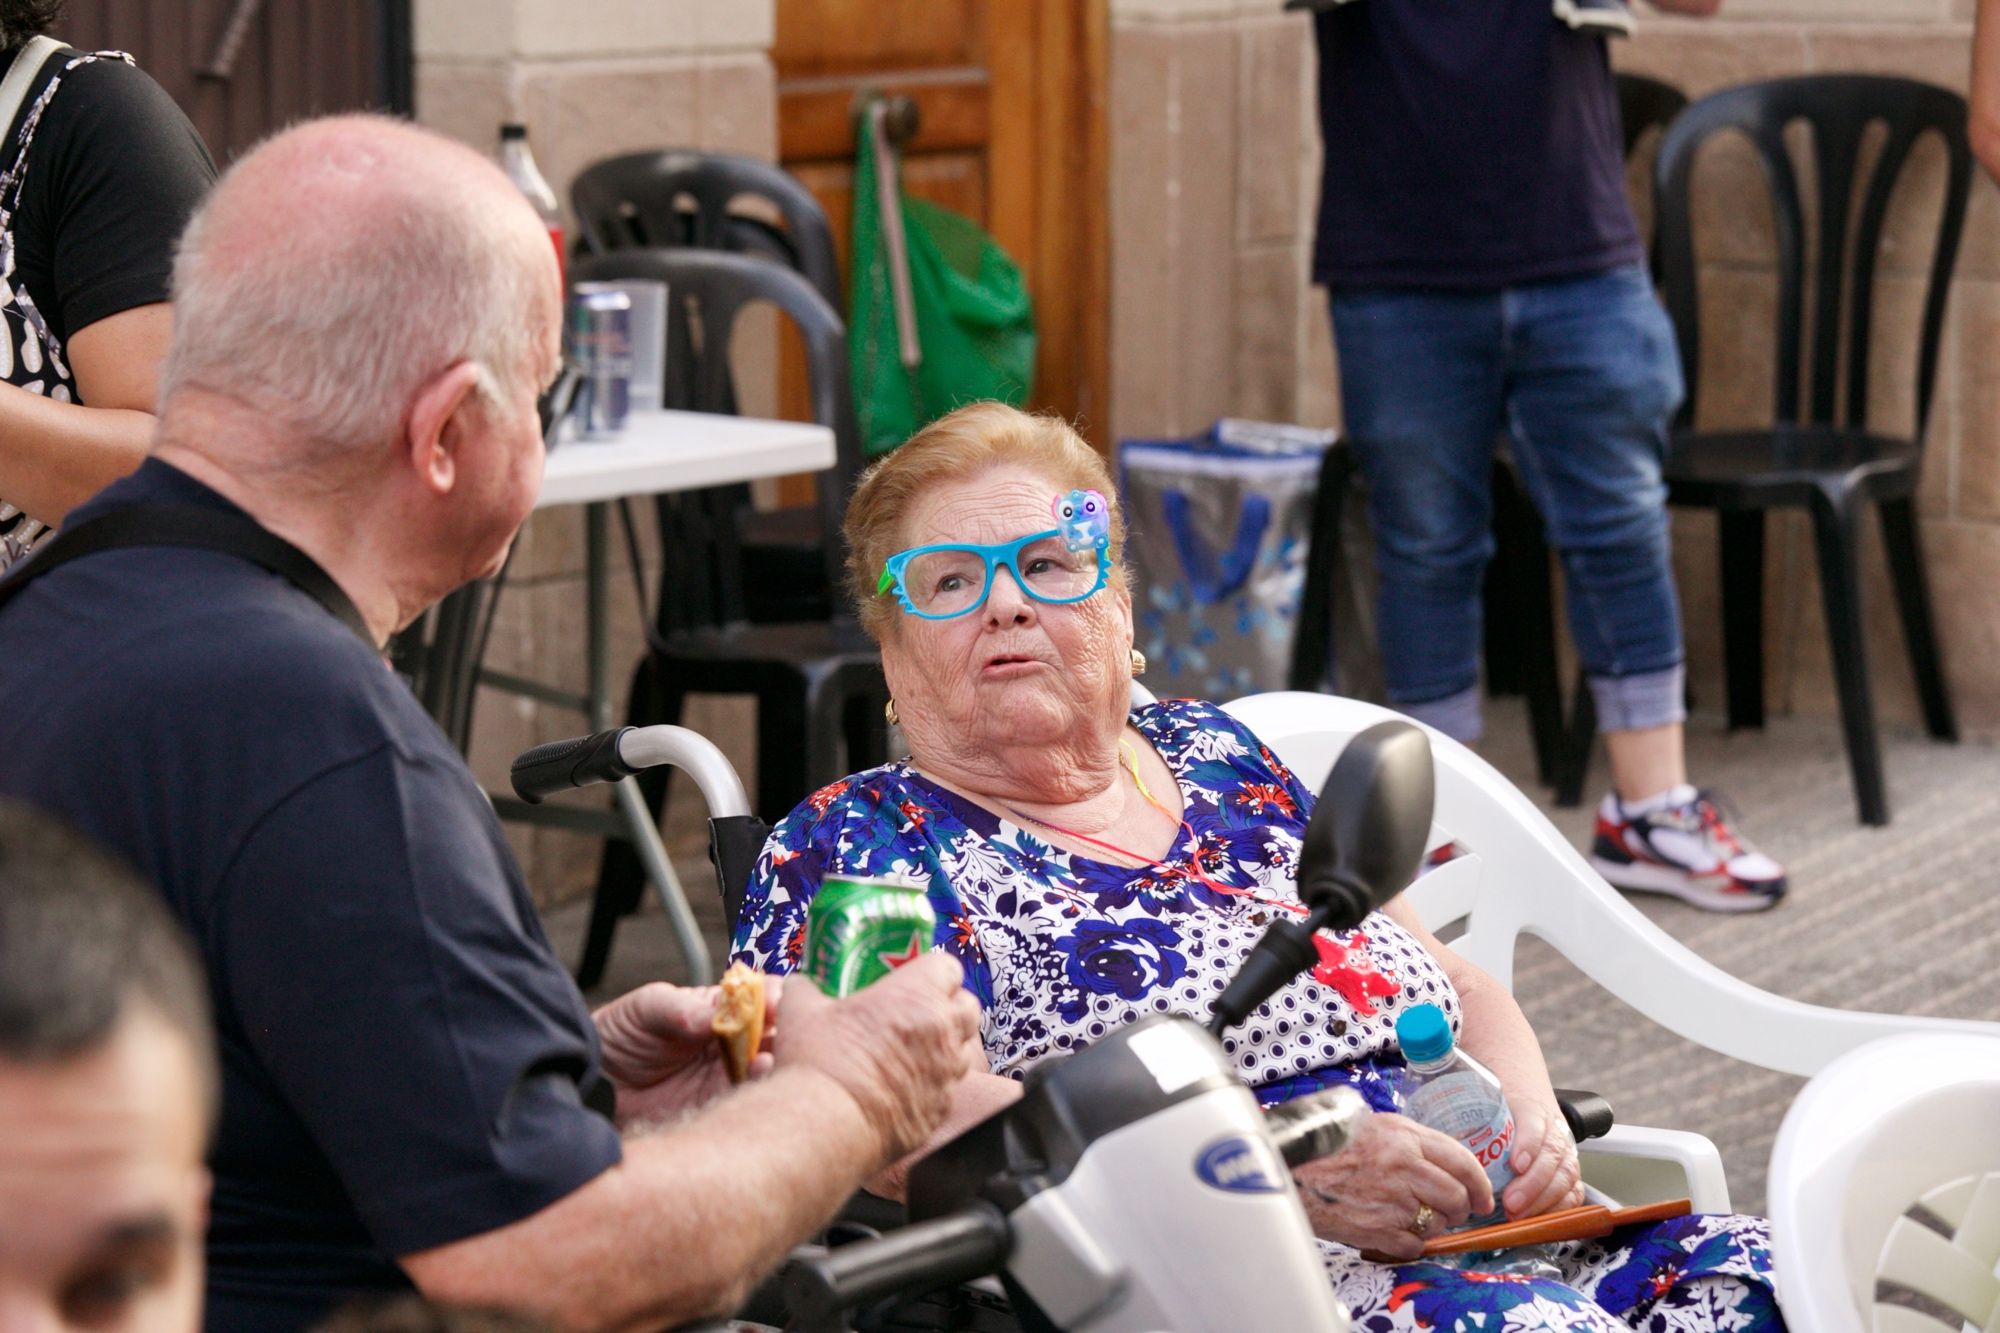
(1358,981)
(1194,844)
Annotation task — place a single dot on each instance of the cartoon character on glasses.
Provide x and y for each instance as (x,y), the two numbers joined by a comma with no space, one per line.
(1085,518)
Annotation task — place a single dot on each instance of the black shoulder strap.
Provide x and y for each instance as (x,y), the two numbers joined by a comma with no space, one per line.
(201,529)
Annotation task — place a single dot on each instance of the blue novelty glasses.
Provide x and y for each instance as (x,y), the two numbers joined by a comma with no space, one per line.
(941,582)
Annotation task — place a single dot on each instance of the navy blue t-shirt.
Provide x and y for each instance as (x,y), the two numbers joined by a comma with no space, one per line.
(1470,144)
(403,1055)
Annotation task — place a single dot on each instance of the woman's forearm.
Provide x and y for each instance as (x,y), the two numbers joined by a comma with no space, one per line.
(1496,1033)
(54,456)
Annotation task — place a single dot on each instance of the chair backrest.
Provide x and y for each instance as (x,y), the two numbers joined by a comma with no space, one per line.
(707,291)
(678,198)
(1646,104)
(1887,1171)
(1839,280)
(1521,876)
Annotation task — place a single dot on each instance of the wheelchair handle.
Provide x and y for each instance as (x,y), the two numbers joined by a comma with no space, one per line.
(972,1242)
(1317,1125)
(611,755)
(576,762)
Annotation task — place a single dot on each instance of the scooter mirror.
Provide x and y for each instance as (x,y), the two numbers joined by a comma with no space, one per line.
(1366,835)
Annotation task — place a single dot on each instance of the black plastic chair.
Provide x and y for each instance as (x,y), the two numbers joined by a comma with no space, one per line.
(1819,454)
(679,199)
(817,682)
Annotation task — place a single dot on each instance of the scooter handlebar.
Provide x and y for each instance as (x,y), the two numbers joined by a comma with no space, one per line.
(576,762)
(955,1247)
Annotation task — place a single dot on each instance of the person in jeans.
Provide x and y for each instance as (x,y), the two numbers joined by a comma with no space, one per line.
(1486,276)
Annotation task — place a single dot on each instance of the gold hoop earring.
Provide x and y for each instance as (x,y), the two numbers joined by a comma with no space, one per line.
(1138,663)
(889,714)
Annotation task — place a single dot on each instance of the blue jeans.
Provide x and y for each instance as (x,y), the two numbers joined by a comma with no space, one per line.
(1583,375)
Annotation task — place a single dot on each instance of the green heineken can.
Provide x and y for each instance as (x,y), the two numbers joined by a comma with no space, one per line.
(860,929)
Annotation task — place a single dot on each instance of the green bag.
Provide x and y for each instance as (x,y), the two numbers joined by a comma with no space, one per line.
(975,324)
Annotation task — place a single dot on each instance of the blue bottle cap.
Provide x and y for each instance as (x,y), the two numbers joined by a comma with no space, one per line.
(1424,1033)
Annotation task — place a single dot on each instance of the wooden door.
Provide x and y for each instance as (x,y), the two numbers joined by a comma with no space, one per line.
(1010,96)
(243,68)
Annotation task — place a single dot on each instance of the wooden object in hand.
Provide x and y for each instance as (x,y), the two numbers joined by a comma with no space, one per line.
(1584,1223)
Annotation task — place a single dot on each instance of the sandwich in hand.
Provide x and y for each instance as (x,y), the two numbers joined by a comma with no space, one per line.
(739,1019)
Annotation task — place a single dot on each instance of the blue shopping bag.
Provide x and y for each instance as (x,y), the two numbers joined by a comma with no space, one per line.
(1218,534)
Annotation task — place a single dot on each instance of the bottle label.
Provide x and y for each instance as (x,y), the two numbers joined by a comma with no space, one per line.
(1460,1103)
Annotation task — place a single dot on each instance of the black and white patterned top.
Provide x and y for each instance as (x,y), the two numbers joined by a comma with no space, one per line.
(97,179)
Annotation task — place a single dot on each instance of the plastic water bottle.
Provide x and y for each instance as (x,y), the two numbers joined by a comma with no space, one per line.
(518,161)
(1456,1095)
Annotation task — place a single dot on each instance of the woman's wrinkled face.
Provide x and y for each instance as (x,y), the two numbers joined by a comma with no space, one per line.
(1015,671)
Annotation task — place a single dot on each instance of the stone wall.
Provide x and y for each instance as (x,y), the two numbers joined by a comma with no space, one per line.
(590,80)
(1214,179)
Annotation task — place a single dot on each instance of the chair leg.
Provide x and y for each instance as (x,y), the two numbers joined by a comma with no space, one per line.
(1913,602)
(1579,741)
(1521,564)
(1742,555)
(621,880)
(784,774)
(867,730)
(1313,658)
(1835,531)
(826,715)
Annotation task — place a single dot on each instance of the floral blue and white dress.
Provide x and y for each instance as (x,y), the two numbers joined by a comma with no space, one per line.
(1060,949)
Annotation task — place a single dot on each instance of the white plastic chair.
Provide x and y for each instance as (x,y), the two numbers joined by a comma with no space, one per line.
(1905,1122)
(1521,876)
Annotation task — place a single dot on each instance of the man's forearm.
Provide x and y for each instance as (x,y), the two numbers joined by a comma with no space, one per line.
(54,456)
(685,1225)
(1696,8)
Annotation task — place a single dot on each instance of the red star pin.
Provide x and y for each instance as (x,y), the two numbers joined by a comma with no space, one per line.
(892,961)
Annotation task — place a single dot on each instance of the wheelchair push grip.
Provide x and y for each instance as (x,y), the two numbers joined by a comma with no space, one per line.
(576,762)
(969,1243)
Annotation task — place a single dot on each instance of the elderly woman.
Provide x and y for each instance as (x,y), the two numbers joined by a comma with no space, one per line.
(1092,862)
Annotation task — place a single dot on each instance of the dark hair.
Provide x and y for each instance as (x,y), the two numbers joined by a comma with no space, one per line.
(413,1314)
(22,19)
(81,938)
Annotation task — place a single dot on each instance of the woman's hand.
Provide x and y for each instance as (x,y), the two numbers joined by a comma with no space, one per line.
(1544,1158)
(1371,1193)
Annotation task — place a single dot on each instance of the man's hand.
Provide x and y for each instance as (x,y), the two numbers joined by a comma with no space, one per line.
(660,1053)
(1370,1193)
(1548,1173)
(898,1047)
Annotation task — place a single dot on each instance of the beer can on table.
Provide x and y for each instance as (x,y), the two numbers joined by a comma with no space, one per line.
(600,342)
(858,930)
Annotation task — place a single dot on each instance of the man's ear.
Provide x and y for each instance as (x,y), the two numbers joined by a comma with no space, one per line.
(436,425)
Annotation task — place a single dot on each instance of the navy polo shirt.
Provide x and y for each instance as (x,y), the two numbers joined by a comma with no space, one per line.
(403,1056)
(1470,144)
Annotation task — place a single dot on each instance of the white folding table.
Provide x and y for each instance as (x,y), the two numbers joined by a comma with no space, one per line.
(659,452)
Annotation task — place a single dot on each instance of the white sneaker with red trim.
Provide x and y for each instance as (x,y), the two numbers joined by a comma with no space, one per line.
(1684,846)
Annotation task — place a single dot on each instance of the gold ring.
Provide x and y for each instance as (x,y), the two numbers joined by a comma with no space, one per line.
(1422,1223)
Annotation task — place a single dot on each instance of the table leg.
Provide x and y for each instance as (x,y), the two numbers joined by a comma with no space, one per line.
(645,833)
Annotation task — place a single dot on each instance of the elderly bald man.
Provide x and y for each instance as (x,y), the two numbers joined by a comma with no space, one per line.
(364,314)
